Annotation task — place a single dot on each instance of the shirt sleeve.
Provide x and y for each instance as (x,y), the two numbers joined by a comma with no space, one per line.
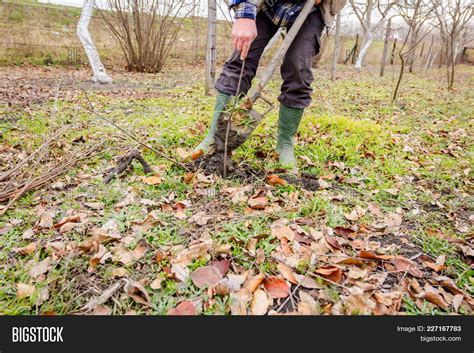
(244,9)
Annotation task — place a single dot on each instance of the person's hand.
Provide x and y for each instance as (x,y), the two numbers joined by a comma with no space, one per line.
(244,32)
(317,2)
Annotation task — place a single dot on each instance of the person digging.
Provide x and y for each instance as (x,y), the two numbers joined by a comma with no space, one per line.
(254,27)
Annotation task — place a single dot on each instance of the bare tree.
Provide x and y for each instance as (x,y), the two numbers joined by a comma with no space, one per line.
(416,15)
(452,20)
(211,45)
(430,51)
(337,46)
(196,21)
(98,69)
(365,12)
(385,47)
(146,29)
(416,21)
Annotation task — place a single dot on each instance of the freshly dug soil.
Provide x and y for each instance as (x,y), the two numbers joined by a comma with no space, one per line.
(305,181)
(214,164)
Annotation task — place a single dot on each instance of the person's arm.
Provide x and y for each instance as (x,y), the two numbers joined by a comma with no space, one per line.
(244,30)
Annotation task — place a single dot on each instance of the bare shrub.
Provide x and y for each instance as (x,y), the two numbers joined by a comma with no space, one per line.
(146,29)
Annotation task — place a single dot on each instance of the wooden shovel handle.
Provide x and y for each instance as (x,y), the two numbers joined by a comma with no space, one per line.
(281,52)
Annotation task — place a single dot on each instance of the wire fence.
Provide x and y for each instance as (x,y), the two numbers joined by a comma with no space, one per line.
(44,34)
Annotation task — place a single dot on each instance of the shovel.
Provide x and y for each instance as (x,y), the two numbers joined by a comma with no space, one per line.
(234,128)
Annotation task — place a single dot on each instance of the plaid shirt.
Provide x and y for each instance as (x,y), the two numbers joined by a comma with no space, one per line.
(282,12)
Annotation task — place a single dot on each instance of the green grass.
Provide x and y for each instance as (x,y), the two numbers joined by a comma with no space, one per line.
(349,124)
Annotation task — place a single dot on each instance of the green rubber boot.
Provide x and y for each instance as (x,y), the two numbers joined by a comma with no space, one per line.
(221,102)
(288,123)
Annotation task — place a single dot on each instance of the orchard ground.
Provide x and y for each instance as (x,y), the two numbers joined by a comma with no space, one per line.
(389,231)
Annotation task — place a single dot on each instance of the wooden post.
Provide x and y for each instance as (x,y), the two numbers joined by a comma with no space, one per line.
(337,42)
(211,46)
(356,47)
(385,48)
(392,57)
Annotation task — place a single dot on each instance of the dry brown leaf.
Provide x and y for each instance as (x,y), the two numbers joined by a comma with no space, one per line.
(283,232)
(119,272)
(373,256)
(323,184)
(468,251)
(393,220)
(100,257)
(232,283)
(438,265)
(258,203)
(188,177)
(307,282)
(252,283)
(406,265)
(46,220)
(457,301)
(194,251)
(357,273)
(110,230)
(151,220)
(70,219)
(197,154)
(180,272)
(287,273)
(207,276)
(26,250)
(40,268)
(360,303)
(436,299)
(357,213)
(331,273)
(276,287)
(307,305)
(137,292)
(183,153)
(152,180)
(222,265)
(156,283)
(260,303)
(260,256)
(129,257)
(24,290)
(185,308)
(239,301)
(102,310)
(275,180)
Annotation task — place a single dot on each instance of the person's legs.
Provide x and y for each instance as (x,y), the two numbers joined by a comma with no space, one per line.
(227,83)
(296,89)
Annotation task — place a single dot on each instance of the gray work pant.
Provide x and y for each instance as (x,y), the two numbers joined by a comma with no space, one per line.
(296,68)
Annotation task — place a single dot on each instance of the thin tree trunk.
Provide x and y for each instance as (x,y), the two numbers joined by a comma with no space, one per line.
(211,46)
(435,55)
(399,81)
(337,45)
(98,69)
(385,48)
(412,53)
(392,56)
(367,42)
(430,52)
